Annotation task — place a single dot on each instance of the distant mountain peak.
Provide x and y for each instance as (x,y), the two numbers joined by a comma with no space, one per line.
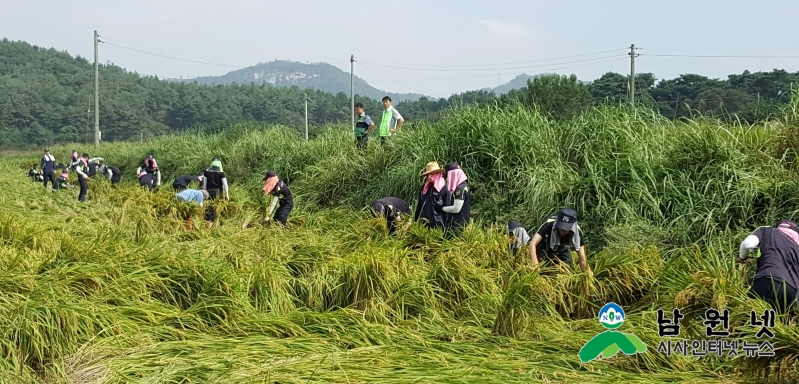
(284,73)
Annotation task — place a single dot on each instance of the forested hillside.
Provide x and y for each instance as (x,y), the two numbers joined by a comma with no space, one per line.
(46,96)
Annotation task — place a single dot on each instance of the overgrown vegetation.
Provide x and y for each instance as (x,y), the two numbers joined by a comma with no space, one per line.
(46,97)
(116,290)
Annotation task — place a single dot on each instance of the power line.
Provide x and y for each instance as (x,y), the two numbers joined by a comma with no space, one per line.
(395,82)
(724,56)
(723,50)
(193,61)
(149,49)
(483,65)
(175,58)
(491,69)
(492,75)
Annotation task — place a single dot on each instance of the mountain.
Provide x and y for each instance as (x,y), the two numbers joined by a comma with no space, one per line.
(321,76)
(519,81)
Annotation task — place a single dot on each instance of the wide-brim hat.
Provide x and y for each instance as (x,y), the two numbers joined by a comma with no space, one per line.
(431,168)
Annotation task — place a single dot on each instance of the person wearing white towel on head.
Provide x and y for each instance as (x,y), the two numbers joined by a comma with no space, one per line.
(517,236)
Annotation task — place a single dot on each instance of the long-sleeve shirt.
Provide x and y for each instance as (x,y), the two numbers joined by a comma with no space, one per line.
(48,164)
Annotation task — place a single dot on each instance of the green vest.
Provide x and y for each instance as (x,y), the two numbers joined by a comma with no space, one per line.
(384,122)
(360,126)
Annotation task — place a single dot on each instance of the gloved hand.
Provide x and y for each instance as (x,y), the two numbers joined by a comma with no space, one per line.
(438,208)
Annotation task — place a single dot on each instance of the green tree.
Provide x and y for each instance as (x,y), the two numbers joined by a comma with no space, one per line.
(562,97)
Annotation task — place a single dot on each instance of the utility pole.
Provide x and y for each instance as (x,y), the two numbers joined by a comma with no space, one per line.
(96,94)
(352,91)
(306,117)
(632,74)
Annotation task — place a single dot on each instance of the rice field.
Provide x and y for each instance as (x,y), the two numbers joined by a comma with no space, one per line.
(117,290)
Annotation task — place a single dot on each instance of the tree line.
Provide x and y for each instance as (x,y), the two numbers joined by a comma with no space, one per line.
(46,96)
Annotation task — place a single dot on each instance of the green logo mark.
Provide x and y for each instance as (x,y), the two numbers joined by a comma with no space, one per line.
(610,342)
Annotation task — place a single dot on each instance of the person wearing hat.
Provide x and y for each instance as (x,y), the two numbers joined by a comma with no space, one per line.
(557,237)
(47,167)
(517,237)
(392,209)
(280,192)
(217,162)
(151,168)
(777,277)
(431,197)
(81,167)
(457,212)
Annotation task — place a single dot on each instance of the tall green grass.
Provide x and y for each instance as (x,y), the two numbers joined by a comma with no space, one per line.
(116,290)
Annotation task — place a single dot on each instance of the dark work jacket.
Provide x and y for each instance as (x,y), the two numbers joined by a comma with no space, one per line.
(213,179)
(184,181)
(92,169)
(283,192)
(147,180)
(424,207)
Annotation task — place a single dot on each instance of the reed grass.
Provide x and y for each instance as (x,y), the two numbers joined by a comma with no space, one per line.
(117,290)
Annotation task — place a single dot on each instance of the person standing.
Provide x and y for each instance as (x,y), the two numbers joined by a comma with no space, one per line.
(392,209)
(280,192)
(458,209)
(431,196)
(557,237)
(777,277)
(390,122)
(47,167)
(363,127)
(81,167)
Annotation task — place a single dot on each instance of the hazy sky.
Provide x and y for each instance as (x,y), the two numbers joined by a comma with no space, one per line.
(446,41)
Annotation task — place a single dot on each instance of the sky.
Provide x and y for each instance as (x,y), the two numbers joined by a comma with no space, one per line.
(435,48)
